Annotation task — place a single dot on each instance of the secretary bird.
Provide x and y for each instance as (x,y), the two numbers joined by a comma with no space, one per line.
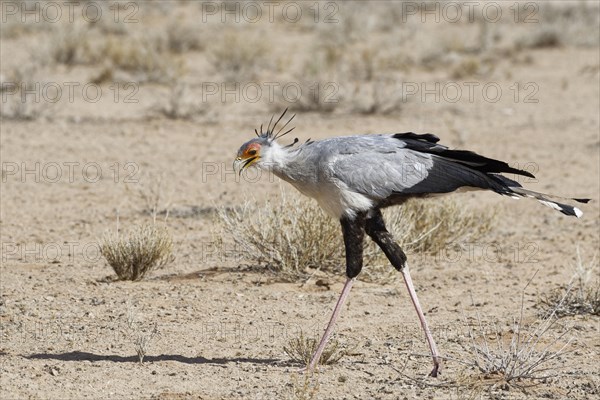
(354,177)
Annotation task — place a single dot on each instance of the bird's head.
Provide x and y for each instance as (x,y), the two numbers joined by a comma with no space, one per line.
(250,153)
(256,152)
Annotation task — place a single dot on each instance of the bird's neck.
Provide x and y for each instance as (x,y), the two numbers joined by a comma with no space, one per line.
(277,158)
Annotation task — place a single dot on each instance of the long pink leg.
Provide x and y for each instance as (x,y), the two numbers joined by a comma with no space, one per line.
(415,301)
(336,312)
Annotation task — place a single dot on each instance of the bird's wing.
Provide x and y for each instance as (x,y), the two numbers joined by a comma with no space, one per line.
(381,166)
(378,174)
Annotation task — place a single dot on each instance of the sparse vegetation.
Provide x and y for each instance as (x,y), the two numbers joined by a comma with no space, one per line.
(13,26)
(374,97)
(184,37)
(181,105)
(532,355)
(431,226)
(142,250)
(568,24)
(143,55)
(309,96)
(237,56)
(141,338)
(19,110)
(302,348)
(146,57)
(70,45)
(287,237)
(294,234)
(580,297)
(473,66)
(306,386)
(529,356)
(18,89)
(543,37)
(332,80)
(341,77)
(154,192)
(142,342)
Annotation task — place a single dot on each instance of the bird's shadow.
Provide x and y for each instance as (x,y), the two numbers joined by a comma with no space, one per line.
(85,356)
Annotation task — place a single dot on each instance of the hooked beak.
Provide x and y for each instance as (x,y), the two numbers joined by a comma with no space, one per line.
(240,164)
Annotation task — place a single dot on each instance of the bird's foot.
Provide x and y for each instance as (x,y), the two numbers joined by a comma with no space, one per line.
(435,371)
(309,369)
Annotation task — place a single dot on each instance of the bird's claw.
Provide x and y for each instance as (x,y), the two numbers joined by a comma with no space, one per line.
(306,370)
(435,371)
(302,371)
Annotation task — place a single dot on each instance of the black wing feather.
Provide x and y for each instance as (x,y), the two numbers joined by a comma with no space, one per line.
(427,143)
(427,137)
(446,176)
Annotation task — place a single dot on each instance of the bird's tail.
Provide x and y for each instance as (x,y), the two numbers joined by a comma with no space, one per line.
(514,189)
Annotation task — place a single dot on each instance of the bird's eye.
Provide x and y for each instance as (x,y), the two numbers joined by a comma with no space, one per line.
(252,152)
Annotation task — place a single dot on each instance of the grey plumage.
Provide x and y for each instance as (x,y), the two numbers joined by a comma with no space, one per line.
(349,174)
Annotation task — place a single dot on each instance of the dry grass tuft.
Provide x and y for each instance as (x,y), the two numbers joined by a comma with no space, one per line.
(71,45)
(581,297)
(287,237)
(305,386)
(146,57)
(153,193)
(184,37)
(142,341)
(313,96)
(16,88)
(431,226)
(142,56)
(373,97)
(144,249)
(237,56)
(181,104)
(549,36)
(568,24)
(528,357)
(141,337)
(302,348)
(471,66)
(337,77)
(12,26)
(294,234)
(522,357)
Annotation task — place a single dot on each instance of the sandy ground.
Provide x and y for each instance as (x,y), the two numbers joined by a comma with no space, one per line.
(68,174)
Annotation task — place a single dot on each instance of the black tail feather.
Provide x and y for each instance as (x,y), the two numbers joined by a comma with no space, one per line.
(546,200)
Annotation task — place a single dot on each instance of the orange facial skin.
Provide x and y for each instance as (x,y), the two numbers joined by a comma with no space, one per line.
(247,155)
(250,151)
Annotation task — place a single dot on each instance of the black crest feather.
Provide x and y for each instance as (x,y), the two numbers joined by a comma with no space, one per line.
(270,132)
